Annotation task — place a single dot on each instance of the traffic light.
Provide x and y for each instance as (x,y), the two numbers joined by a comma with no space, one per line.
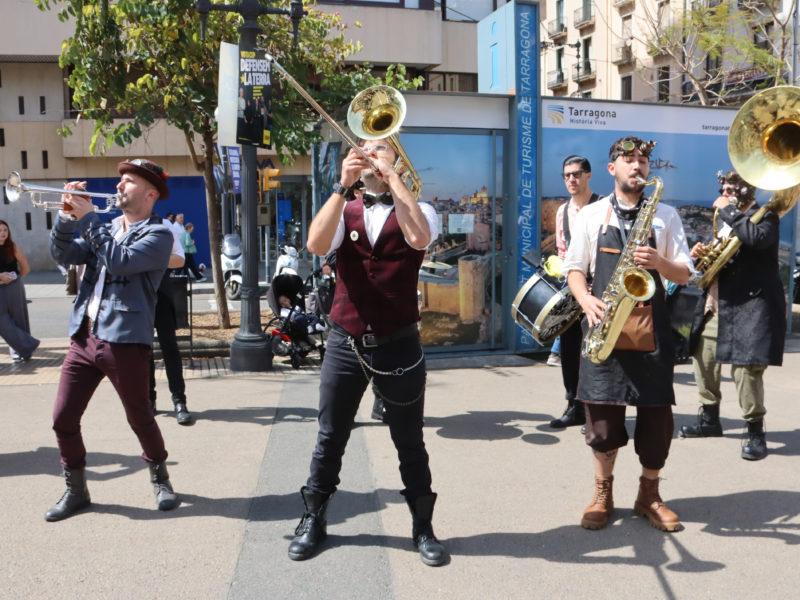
(266,179)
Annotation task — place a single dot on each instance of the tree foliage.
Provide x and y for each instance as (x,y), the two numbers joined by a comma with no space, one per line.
(131,62)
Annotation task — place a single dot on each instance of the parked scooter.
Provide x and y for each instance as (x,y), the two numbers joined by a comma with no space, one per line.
(232,265)
(287,260)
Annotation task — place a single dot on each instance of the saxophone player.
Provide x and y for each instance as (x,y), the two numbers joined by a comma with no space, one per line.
(631,377)
(742,320)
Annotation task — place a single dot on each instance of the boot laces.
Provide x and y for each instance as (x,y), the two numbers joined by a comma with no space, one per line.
(602,492)
(304,526)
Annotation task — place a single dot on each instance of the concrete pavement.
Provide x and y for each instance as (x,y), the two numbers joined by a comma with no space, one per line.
(511,492)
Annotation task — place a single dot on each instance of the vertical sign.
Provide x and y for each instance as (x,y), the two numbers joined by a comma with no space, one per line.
(253,105)
(235,163)
(526,124)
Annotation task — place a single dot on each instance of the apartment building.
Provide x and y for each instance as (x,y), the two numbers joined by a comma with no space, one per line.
(596,49)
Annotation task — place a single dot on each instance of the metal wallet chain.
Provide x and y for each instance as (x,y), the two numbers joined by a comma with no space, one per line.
(394,372)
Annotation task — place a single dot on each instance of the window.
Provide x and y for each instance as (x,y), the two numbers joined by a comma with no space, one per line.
(2,137)
(560,59)
(586,94)
(626,88)
(24,159)
(22,105)
(48,219)
(626,31)
(663,84)
(560,11)
(45,164)
(28,224)
(42,106)
(762,35)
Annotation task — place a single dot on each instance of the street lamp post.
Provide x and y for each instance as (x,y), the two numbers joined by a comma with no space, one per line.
(250,349)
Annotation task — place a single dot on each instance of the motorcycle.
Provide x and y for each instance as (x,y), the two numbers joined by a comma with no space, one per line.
(232,266)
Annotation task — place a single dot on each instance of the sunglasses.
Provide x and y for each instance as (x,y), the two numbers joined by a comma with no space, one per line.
(146,164)
(727,191)
(576,174)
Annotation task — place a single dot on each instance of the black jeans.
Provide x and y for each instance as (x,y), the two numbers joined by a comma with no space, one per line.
(342,385)
(571,341)
(165,324)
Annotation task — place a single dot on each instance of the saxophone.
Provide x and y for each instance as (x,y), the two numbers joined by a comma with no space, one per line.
(628,285)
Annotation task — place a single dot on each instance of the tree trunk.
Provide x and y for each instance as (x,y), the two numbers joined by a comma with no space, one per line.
(215,231)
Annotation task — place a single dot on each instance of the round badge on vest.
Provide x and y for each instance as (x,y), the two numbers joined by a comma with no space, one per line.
(354,235)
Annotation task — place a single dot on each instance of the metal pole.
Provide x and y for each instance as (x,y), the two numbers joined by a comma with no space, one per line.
(250,348)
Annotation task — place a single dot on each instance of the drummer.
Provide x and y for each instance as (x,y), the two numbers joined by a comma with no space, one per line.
(577,173)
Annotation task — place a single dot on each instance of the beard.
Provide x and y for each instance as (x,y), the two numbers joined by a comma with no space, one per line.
(627,187)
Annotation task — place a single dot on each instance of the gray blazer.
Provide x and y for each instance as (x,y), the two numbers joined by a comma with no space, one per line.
(134,268)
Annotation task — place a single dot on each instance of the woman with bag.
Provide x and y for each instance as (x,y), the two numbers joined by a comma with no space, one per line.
(14,324)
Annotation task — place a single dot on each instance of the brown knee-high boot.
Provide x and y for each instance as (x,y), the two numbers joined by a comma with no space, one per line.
(597,513)
(649,504)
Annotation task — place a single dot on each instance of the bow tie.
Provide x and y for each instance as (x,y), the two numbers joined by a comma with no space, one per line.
(384,198)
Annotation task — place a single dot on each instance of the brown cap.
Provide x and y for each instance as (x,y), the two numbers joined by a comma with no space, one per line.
(150,171)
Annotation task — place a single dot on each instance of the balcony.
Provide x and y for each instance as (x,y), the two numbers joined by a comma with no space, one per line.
(583,17)
(556,29)
(583,71)
(623,4)
(621,55)
(556,79)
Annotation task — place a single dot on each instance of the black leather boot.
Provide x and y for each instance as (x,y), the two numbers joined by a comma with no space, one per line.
(575,414)
(313,526)
(431,551)
(756,446)
(166,498)
(73,499)
(707,425)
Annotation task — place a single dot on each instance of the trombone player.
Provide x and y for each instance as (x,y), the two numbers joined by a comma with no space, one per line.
(741,320)
(379,240)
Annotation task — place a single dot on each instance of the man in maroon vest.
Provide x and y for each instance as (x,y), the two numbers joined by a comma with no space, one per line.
(380,241)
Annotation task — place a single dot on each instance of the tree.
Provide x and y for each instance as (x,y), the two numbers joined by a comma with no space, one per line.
(712,44)
(134,61)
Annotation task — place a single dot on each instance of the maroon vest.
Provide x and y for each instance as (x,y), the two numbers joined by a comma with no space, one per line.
(375,286)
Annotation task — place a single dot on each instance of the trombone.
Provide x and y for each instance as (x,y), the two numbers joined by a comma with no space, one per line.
(375,113)
(15,188)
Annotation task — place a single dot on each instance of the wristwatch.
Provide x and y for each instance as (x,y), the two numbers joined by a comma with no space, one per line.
(338,188)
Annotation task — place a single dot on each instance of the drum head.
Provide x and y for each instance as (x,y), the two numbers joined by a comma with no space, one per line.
(544,310)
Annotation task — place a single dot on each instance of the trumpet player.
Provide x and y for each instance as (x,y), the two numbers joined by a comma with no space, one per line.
(111,328)
(741,320)
(642,375)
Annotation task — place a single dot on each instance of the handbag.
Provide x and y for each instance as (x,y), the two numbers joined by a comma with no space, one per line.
(637,333)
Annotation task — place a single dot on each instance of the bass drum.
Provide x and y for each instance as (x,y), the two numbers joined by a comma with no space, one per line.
(544,310)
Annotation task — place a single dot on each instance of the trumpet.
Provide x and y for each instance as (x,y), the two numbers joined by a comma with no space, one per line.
(16,188)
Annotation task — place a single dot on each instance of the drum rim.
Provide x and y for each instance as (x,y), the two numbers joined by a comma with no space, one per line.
(521,294)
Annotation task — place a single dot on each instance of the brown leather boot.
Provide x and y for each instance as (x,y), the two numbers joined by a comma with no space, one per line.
(649,504)
(596,514)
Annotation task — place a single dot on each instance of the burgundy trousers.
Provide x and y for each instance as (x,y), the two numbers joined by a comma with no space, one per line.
(127,367)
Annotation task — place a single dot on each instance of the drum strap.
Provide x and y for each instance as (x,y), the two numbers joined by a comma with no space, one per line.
(567,233)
